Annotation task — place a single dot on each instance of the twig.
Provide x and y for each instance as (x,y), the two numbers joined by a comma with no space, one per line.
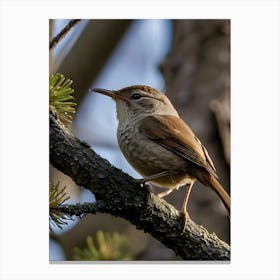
(63,32)
(82,209)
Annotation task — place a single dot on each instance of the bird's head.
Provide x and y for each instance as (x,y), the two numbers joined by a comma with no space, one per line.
(138,100)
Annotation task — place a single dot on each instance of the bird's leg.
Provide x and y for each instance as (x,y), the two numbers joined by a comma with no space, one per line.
(165,193)
(143,181)
(183,210)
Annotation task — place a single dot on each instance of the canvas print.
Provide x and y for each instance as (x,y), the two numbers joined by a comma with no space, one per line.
(139,140)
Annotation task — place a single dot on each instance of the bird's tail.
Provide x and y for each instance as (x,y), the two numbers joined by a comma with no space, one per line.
(213,183)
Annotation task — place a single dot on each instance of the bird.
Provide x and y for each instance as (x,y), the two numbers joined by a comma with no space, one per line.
(160,146)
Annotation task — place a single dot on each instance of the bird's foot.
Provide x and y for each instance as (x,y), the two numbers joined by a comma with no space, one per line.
(185,218)
(143,181)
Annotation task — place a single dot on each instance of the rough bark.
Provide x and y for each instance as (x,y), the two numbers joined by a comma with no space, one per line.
(120,195)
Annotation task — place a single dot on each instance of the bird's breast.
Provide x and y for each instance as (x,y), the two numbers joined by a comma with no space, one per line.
(149,158)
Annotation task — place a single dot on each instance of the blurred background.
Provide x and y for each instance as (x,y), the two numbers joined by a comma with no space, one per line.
(189,60)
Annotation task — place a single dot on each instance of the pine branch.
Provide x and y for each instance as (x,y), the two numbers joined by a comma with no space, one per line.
(122,196)
(57,197)
(61,97)
(105,246)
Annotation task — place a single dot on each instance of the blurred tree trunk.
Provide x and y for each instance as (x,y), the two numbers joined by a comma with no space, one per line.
(91,51)
(197,73)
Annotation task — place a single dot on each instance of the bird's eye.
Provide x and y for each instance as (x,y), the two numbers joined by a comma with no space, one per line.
(136,96)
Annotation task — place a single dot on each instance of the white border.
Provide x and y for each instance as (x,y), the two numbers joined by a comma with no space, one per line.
(255,138)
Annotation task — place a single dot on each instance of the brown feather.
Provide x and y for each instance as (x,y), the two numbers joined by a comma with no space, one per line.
(221,193)
(175,135)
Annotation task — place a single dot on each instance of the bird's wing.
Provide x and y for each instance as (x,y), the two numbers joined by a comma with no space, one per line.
(175,135)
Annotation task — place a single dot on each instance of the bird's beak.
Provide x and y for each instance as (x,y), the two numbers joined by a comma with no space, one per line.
(110,93)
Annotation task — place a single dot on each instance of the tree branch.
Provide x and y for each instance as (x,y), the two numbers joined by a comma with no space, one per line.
(122,196)
(79,209)
(63,32)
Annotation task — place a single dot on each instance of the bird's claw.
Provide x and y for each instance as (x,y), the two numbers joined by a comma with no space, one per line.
(185,217)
